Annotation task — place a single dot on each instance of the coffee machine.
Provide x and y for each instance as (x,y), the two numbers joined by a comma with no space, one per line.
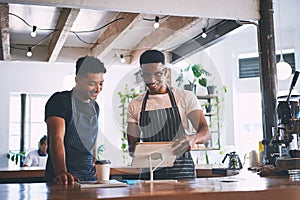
(285,140)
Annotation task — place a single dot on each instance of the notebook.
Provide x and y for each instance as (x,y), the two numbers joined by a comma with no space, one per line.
(100,184)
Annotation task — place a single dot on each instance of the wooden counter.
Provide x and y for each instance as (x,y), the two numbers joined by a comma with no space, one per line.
(36,174)
(22,174)
(245,186)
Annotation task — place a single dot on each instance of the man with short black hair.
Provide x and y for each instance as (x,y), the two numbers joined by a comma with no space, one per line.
(161,114)
(72,123)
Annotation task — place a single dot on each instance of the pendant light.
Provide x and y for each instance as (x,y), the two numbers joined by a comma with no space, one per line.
(284,70)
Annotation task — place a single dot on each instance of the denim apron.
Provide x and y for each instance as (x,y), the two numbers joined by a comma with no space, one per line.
(80,139)
(165,125)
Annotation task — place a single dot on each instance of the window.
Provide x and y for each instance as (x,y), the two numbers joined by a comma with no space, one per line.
(249,66)
(35,127)
(250,122)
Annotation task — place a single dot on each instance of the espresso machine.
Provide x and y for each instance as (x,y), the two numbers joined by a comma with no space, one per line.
(285,140)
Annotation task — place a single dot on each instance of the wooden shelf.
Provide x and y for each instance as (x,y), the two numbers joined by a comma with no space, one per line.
(206,96)
(213,121)
(204,149)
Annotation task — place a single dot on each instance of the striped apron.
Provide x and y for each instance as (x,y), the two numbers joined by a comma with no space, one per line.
(165,125)
(80,139)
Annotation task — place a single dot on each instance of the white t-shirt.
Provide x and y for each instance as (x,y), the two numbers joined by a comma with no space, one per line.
(186,102)
(34,159)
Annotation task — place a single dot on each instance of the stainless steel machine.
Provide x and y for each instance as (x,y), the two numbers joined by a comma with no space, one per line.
(285,142)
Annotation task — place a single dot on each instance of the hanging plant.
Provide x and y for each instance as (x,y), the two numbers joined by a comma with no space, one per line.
(125,98)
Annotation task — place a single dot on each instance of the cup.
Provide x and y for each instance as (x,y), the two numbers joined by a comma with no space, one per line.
(102,170)
(253,159)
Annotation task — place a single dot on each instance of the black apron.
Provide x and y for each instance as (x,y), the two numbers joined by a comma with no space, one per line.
(165,125)
(80,140)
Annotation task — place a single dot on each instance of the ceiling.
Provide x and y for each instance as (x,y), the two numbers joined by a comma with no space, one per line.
(66,33)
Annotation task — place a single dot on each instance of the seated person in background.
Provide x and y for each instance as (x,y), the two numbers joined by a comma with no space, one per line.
(38,157)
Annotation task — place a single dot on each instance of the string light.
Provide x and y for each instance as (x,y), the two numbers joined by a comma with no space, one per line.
(35,28)
(29,52)
(156,20)
(94,30)
(33,33)
(156,23)
(204,34)
(204,29)
(122,58)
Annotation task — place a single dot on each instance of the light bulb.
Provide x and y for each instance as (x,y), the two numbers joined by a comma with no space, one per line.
(122,58)
(204,35)
(156,24)
(284,70)
(29,52)
(33,33)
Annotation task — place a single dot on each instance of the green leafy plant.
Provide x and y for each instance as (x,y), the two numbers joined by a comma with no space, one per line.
(16,156)
(100,151)
(207,106)
(125,97)
(200,75)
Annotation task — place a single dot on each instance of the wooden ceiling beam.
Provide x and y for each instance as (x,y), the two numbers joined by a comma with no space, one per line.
(4,10)
(64,24)
(168,28)
(112,33)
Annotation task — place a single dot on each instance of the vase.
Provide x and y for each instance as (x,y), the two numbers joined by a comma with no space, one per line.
(190,87)
(211,89)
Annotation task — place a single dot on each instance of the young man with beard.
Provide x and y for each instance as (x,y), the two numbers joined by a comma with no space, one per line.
(161,114)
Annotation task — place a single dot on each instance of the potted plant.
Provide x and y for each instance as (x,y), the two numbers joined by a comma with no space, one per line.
(16,156)
(211,89)
(199,77)
(207,106)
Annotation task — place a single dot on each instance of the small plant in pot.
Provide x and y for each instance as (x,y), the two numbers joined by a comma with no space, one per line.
(211,89)
(199,76)
(207,106)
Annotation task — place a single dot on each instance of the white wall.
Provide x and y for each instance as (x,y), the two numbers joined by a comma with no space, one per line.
(25,77)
